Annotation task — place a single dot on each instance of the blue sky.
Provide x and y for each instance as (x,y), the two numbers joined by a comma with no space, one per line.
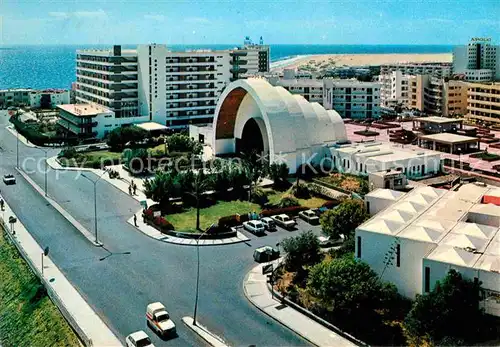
(228,21)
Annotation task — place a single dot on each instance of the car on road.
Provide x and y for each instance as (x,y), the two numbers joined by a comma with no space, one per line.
(159,320)
(269,224)
(254,226)
(284,221)
(9,179)
(265,254)
(309,216)
(138,339)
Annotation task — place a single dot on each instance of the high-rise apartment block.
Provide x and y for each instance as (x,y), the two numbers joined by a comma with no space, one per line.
(478,61)
(393,89)
(153,83)
(484,103)
(434,69)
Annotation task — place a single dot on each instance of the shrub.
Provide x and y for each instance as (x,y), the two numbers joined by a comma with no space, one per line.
(259,196)
(229,221)
(291,211)
(330,204)
(288,201)
(301,191)
(68,153)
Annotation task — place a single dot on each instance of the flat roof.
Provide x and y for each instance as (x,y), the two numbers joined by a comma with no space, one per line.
(383,152)
(151,126)
(438,120)
(449,138)
(84,110)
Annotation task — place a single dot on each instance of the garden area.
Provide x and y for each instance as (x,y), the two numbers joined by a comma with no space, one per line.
(345,183)
(347,293)
(486,156)
(192,200)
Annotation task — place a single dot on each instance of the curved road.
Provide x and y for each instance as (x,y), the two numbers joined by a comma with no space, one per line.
(119,286)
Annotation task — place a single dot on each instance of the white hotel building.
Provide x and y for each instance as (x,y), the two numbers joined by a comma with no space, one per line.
(152,83)
(393,89)
(478,61)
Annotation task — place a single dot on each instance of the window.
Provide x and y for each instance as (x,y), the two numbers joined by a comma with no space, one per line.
(368,207)
(358,255)
(427,279)
(398,255)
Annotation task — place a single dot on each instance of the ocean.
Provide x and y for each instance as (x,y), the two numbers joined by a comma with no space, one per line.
(46,66)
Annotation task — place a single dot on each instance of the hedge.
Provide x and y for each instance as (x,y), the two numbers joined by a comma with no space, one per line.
(160,222)
(292,211)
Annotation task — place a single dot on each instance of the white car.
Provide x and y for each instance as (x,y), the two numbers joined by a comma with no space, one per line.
(269,224)
(9,179)
(309,216)
(326,241)
(138,339)
(159,320)
(254,226)
(284,221)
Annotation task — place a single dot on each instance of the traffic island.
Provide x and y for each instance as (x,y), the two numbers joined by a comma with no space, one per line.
(203,332)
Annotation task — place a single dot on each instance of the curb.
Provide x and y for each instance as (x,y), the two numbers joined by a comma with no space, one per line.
(11,129)
(88,235)
(203,332)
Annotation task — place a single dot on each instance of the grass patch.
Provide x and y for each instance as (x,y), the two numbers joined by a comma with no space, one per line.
(94,159)
(486,156)
(186,221)
(27,315)
(346,182)
(313,202)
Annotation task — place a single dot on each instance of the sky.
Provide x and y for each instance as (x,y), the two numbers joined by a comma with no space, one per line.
(229,21)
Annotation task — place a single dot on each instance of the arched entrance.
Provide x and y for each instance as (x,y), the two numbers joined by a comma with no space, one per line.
(251,138)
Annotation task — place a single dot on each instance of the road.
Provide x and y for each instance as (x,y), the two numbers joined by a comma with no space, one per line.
(119,286)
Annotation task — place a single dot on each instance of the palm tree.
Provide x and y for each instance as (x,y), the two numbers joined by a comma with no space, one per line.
(162,187)
(195,185)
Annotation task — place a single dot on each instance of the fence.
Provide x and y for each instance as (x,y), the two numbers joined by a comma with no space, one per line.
(52,294)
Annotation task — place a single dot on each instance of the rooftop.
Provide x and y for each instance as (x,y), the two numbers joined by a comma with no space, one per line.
(84,110)
(449,138)
(152,126)
(438,120)
(464,230)
(383,152)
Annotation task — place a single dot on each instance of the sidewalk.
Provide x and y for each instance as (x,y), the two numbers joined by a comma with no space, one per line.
(88,325)
(13,131)
(123,184)
(257,292)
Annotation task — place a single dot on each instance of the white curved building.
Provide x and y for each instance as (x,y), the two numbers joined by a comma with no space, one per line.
(252,114)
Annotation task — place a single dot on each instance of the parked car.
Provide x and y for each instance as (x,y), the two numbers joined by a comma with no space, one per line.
(138,339)
(159,320)
(269,224)
(284,221)
(9,179)
(309,216)
(326,241)
(265,254)
(254,226)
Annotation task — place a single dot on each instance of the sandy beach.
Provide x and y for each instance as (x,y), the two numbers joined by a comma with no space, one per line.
(337,60)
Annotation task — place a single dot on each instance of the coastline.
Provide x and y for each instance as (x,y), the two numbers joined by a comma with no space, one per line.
(359,59)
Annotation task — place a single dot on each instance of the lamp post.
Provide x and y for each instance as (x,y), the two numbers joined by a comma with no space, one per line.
(198,273)
(94,182)
(46,167)
(17,147)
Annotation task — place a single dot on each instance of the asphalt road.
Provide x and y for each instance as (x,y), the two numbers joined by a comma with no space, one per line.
(119,286)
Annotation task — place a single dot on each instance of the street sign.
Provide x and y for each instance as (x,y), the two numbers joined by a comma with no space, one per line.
(46,251)
(157,214)
(144,204)
(267,269)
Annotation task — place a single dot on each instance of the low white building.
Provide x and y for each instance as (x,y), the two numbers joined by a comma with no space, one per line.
(365,158)
(49,98)
(417,239)
(91,120)
(351,98)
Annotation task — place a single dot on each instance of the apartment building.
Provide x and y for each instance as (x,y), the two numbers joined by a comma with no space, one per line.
(180,88)
(310,89)
(108,78)
(478,61)
(87,120)
(351,98)
(483,102)
(153,83)
(434,69)
(437,96)
(393,89)
(49,98)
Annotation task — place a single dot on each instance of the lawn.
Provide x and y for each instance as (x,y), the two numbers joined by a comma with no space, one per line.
(313,202)
(346,182)
(93,159)
(27,315)
(186,221)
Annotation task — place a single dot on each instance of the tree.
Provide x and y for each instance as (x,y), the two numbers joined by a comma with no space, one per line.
(343,219)
(450,312)
(183,143)
(288,201)
(195,185)
(302,250)
(135,159)
(279,174)
(118,137)
(162,187)
(253,165)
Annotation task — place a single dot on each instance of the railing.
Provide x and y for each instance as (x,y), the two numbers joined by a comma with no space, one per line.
(87,341)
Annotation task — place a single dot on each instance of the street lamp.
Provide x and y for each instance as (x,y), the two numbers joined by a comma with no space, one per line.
(94,182)
(198,272)
(17,148)
(46,167)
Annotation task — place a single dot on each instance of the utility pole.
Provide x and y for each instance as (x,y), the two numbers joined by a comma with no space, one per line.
(198,273)
(94,182)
